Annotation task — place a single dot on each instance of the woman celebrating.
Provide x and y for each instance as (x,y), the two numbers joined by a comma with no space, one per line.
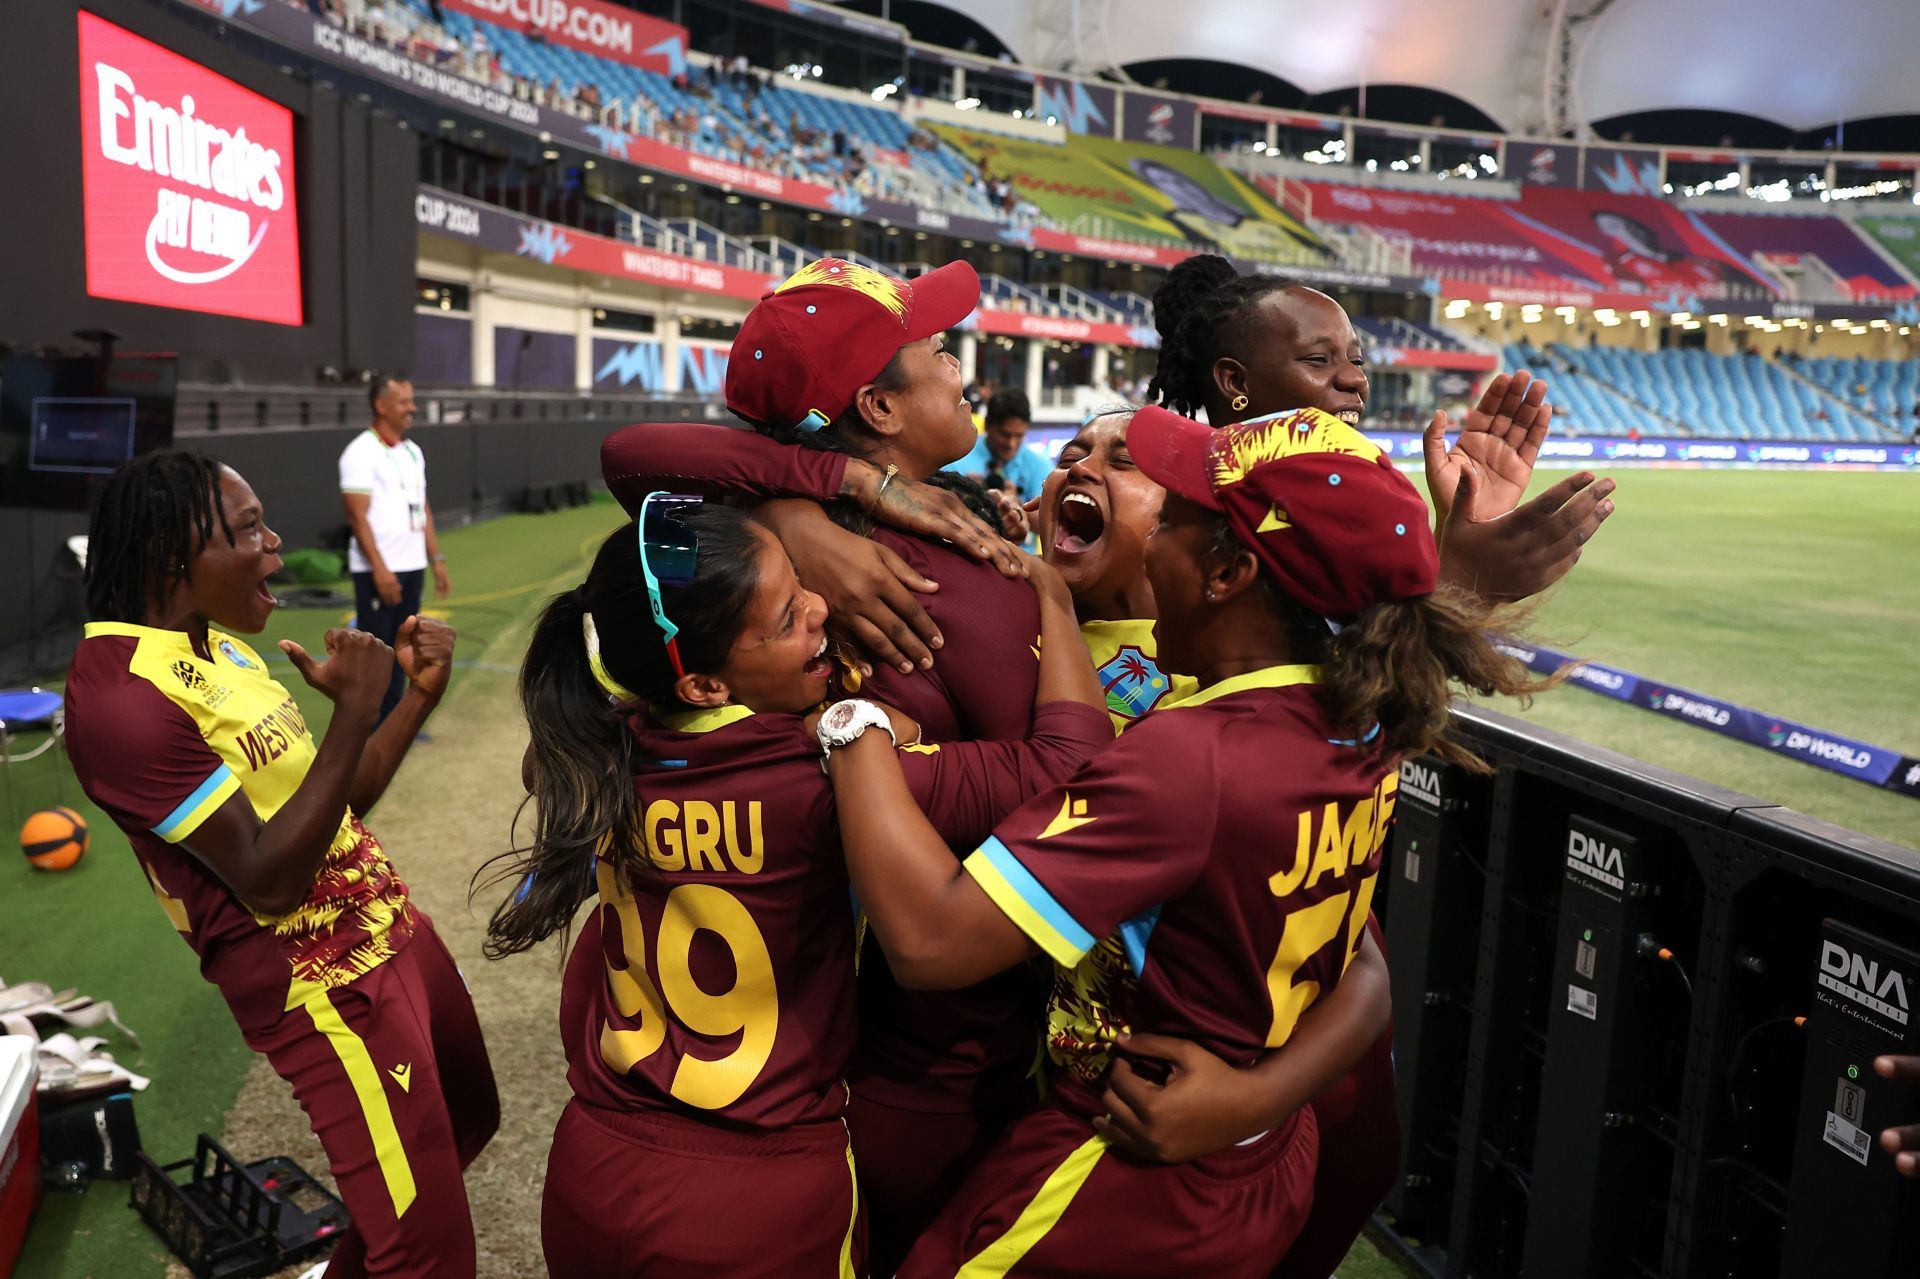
(1208,876)
(843,370)
(249,833)
(708,1009)
(1240,347)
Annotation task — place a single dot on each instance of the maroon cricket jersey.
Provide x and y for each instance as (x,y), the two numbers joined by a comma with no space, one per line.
(160,738)
(720,983)
(1207,877)
(919,1049)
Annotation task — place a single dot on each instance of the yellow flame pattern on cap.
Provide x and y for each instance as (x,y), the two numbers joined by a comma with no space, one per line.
(884,289)
(1289,434)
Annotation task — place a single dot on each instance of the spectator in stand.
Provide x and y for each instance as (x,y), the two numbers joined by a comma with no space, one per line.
(1001,458)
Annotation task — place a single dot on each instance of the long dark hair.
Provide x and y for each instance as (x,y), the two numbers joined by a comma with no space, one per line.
(154,515)
(584,757)
(1200,310)
(1395,665)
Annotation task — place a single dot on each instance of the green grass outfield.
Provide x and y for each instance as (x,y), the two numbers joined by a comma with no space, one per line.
(1794,593)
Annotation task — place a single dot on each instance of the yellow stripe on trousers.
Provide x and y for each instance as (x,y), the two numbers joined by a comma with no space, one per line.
(365,1078)
(846,1245)
(1038,1217)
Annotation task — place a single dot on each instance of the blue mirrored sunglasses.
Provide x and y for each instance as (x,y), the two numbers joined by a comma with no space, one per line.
(669,555)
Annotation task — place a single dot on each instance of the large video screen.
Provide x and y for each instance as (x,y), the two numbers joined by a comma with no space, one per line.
(188,181)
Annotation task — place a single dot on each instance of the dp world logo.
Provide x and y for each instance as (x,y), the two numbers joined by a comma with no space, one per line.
(1776,734)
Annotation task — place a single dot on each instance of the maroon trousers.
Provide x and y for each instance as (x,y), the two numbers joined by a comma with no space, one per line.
(393,1074)
(655,1194)
(1359,1120)
(1054,1199)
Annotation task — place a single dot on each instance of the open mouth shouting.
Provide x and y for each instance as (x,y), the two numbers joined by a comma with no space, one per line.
(1079,522)
(1351,412)
(819,666)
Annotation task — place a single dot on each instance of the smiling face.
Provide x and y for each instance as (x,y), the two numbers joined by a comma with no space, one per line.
(227,582)
(935,420)
(779,664)
(1095,512)
(1005,437)
(1303,354)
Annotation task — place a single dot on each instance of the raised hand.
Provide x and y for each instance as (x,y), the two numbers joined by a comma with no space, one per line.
(1502,434)
(1525,550)
(424,649)
(354,675)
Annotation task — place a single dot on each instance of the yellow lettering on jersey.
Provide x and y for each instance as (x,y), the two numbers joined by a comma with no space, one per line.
(1360,830)
(1072,816)
(659,813)
(703,835)
(1384,799)
(1330,853)
(1283,883)
(748,859)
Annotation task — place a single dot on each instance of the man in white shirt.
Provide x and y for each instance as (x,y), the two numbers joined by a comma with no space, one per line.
(383,484)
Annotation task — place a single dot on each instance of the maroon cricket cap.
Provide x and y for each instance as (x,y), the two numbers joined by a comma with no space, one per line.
(1322,507)
(810,344)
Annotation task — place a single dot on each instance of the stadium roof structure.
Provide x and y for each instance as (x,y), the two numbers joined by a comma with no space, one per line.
(1532,66)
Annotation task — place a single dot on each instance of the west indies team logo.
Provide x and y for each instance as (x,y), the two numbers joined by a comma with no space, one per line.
(1134,682)
(232,653)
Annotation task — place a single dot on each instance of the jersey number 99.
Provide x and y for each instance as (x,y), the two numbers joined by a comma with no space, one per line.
(751,1008)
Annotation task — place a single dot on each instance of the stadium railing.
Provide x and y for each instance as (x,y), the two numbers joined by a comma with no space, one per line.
(1635,1016)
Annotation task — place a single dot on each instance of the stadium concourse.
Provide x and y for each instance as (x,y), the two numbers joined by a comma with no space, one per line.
(1650,977)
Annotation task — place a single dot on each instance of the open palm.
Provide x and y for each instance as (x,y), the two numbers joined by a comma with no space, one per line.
(1501,437)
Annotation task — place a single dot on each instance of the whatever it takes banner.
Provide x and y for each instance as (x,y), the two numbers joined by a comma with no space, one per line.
(591,26)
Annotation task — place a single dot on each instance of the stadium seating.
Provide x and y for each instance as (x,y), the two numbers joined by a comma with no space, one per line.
(728,123)
(1862,273)
(1738,397)
(1582,405)
(1412,334)
(1888,389)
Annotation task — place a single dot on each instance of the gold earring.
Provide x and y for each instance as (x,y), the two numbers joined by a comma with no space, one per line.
(1239,403)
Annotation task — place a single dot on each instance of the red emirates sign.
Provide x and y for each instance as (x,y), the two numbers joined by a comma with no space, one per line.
(188,180)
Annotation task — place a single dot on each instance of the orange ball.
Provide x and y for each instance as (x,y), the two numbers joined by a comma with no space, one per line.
(54,838)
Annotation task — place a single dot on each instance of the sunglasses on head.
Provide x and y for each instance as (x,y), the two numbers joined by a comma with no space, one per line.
(669,554)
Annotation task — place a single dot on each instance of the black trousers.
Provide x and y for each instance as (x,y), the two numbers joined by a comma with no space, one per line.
(376,617)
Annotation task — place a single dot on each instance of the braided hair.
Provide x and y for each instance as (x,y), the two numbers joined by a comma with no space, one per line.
(1201,310)
(155,514)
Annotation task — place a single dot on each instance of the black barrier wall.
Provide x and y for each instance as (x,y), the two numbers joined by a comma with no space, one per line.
(355,182)
(1635,1017)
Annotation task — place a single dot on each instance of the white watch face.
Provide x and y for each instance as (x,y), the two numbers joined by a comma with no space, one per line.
(839,716)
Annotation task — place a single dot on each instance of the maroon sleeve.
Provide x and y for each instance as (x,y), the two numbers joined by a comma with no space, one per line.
(1123,835)
(688,457)
(983,679)
(141,758)
(967,788)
